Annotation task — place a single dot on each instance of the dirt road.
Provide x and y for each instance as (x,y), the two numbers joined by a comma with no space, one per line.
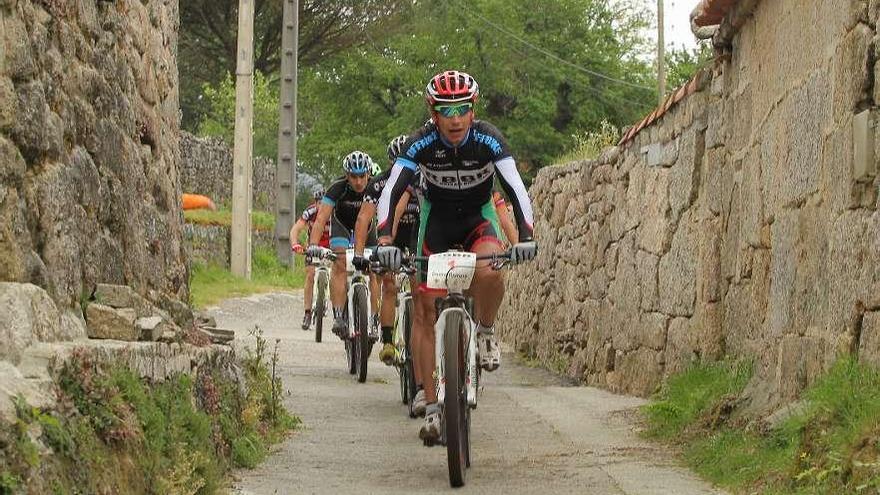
(532,432)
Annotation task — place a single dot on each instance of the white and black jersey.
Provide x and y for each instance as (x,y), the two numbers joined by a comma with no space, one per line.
(458,177)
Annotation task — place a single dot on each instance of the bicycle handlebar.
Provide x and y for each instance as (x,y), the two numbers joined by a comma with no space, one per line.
(494,257)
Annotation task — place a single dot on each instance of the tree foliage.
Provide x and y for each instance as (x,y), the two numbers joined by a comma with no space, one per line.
(548,70)
(682,64)
(219,119)
(209,30)
(363,97)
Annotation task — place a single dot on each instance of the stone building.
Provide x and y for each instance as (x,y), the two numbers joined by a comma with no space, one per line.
(739,219)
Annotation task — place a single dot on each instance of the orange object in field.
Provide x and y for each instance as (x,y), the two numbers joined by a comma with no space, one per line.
(197,202)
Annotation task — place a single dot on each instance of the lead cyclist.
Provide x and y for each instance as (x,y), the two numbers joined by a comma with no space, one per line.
(459,158)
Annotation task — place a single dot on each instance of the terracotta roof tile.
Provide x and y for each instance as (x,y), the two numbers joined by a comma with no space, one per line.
(691,87)
(711,12)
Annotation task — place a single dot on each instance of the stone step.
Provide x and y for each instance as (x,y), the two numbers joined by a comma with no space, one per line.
(219,335)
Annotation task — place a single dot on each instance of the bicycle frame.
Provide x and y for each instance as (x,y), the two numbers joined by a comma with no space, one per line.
(404,294)
(355,279)
(322,275)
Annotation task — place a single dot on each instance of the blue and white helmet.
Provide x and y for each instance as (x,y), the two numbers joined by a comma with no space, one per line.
(358,163)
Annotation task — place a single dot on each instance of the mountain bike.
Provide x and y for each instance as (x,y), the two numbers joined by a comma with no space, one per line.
(457,369)
(321,289)
(361,335)
(402,336)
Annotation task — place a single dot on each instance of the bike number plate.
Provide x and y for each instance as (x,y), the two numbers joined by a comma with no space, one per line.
(452,270)
(349,254)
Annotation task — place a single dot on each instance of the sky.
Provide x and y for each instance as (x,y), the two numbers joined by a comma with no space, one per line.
(678,29)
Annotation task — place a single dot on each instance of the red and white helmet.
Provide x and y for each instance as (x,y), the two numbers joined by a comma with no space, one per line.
(452,86)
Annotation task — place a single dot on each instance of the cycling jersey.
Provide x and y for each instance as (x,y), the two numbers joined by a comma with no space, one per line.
(374,188)
(346,202)
(410,217)
(308,216)
(458,179)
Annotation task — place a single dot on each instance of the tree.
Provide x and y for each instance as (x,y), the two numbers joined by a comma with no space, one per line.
(209,29)
(219,119)
(361,98)
(682,64)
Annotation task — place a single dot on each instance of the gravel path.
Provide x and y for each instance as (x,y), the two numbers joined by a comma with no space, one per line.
(532,433)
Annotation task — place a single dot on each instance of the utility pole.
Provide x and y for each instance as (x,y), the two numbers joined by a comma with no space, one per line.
(285,166)
(243,150)
(661,54)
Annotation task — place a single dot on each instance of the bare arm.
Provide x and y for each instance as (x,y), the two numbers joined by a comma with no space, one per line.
(399,211)
(401,176)
(324,212)
(296,230)
(507,224)
(362,226)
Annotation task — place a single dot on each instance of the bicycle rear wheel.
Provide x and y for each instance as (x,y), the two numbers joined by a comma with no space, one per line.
(320,303)
(361,332)
(456,413)
(405,367)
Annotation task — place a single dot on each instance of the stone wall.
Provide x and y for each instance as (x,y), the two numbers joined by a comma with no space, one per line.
(206,168)
(751,236)
(89,188)
(209,244)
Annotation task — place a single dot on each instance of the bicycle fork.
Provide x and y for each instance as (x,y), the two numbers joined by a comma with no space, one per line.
(470,358)
(399,337)
(351,309)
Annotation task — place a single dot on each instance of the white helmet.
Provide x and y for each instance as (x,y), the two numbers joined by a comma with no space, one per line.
(357,162)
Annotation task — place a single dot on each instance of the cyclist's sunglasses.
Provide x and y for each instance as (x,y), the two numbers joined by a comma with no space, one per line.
(454,110)
(357,176)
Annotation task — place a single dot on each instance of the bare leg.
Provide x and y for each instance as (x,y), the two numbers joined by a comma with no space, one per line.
(337,280)
(488,285)
(389,301)
(309,288)
(374,293)
(423,342)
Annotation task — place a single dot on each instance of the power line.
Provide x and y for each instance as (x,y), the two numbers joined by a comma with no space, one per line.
(553,55)
(601,95)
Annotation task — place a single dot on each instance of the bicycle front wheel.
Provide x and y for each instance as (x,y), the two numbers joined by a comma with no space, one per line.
(408,370)
(320,303)
(456,414)
(361,332)
(350,357)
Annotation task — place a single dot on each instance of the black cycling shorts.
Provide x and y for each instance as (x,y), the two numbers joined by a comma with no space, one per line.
(342,236)
(407,237)
(452,228)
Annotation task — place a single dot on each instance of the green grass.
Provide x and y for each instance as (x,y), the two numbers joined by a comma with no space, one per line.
(210,284)
(833,446)
(116,433)
(688,395)
(589,145)
(260,220)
